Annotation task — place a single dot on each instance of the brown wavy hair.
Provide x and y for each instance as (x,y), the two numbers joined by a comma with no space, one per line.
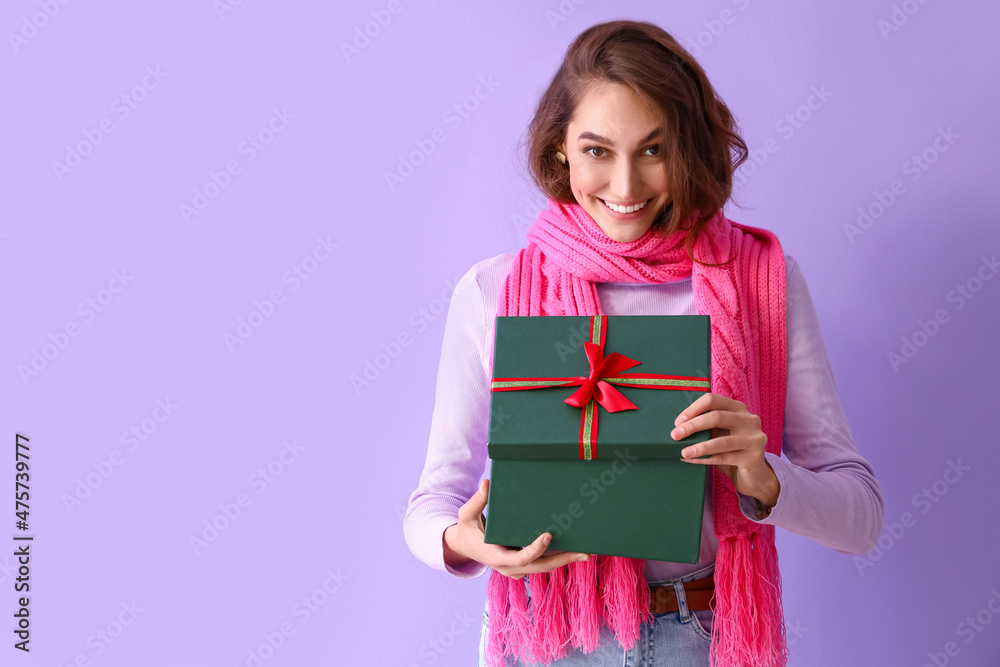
(702,149)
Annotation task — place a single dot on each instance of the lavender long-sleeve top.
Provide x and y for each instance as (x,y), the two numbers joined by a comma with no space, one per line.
(828,491)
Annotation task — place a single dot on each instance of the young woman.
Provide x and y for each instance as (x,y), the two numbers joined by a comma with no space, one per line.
(636,155)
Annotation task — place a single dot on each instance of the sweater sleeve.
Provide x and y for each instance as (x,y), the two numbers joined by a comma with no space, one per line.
(828,491)
(456,452)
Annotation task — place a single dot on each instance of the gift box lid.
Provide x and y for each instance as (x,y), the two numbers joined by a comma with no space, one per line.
(560,357)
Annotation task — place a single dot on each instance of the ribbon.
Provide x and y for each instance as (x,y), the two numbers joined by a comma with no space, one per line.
(597,386)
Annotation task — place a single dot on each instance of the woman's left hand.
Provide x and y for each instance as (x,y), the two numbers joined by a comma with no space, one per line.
(736,445)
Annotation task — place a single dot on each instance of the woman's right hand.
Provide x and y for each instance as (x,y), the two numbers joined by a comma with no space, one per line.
(465,540)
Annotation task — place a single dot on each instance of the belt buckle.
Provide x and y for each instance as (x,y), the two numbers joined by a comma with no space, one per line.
(662,599)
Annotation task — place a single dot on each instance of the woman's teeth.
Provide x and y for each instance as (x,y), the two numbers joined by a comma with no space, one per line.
(625,209)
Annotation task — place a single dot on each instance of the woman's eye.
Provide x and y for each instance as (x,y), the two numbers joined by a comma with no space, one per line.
(597,151)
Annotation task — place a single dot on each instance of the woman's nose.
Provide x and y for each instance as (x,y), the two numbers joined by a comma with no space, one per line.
(625,183)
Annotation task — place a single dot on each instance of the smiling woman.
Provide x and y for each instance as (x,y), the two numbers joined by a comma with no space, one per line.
(632,119)
(619,179)
(636,154)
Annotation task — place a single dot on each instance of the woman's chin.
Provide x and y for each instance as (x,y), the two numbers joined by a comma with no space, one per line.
(624,231)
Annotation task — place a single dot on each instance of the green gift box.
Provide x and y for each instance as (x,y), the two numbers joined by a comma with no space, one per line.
(581,409)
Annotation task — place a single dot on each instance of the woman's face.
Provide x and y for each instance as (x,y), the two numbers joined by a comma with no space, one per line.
(613,149)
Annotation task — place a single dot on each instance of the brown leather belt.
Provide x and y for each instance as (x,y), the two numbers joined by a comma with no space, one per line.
(699,593)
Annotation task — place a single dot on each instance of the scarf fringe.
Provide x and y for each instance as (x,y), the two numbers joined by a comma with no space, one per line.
(748,629)
(498,603)
(539,617)
(626,597)
(560,636)
(549,626)
(518,623)
(584,605)
(568,606)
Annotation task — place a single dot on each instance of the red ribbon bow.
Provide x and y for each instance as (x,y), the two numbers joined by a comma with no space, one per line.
(610,398)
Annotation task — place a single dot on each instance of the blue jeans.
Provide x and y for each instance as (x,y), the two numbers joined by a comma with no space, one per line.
(675,639)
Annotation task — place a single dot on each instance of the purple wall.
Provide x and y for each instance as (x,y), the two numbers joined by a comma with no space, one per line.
(199,244)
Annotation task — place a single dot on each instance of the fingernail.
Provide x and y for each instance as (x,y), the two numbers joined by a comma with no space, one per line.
(675,434)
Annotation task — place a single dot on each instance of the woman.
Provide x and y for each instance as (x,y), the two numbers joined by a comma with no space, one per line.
(636,155)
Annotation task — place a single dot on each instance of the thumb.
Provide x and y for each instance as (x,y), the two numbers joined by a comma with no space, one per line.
(477,503)
(483,493)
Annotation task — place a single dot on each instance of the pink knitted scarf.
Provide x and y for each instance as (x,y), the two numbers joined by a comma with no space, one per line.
(555,274)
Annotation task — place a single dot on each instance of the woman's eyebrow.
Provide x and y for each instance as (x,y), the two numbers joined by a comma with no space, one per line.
(591,136)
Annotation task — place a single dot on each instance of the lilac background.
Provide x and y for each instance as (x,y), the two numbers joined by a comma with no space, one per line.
(336,506)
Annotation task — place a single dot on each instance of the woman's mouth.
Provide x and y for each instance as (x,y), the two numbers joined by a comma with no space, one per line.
(624,209)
